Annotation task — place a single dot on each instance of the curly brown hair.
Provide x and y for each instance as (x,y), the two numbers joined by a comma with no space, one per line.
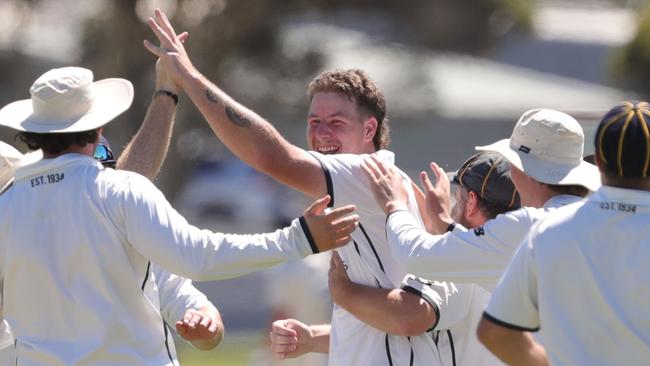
(56,143)
(357,87)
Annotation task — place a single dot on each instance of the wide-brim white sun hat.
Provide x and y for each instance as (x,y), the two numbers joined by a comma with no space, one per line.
(548,146)
(67,100)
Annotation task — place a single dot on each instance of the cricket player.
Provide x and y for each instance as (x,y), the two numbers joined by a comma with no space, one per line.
(346,119)
(581,275)
(546,166)
(196,319)
(80,239)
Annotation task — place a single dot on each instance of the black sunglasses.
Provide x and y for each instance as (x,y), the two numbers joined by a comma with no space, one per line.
(105,156)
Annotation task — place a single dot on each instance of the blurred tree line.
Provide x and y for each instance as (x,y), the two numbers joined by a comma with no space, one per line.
(225,30)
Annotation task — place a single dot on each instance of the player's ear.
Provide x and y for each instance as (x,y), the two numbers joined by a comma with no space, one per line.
(369,128)
(471,204)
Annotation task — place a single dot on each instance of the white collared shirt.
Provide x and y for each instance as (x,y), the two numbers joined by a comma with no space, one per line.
(582,276)
(369,262)
(76,244)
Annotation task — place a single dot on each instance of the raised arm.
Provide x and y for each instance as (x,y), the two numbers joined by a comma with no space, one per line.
(146,151)
(246,134)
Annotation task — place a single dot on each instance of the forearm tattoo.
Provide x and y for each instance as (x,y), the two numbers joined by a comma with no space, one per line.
(234,115)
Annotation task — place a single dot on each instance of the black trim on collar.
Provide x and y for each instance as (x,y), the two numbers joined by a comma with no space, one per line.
(310,238)
(499,322)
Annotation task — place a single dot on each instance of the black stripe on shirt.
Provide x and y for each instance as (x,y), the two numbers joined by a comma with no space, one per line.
(328,180)
(146,275)
(169,353)
(310,238)
(390,358)
(372,246)
(453,350)
(508,325)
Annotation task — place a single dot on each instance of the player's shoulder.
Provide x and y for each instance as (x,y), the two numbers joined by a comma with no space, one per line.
(124,182)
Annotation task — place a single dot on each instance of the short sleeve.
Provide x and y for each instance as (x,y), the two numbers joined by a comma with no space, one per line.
(514,302)
(346,182)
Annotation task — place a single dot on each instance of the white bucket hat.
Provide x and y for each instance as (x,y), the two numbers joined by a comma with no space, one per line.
(9,157)
(548,145)
(67,100)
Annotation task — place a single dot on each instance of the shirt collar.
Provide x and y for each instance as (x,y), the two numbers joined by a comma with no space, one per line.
(562,200)
(38,165)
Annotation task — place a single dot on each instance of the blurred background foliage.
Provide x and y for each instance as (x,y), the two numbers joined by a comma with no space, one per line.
(224,32)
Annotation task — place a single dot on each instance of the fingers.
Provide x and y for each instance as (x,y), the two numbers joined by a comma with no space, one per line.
(205,322)
(183,37)
(426,182)
(160,34)
(341,212)
(380,164)
(336,259)
(181,328)
(347,223)
(163,22)
(440,174)
(153,48)
(318,206)
(371,169)
(281,327)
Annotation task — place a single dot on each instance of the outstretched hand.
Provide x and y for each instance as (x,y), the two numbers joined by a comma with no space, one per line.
(330,228)
(437,197)
(386,183)
(171,52)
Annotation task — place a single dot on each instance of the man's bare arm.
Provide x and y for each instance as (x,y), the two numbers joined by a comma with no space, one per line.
(393,311)
(513,347)
(146,151)
(246,134)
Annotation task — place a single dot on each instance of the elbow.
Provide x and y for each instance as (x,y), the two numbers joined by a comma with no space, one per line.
(411,326)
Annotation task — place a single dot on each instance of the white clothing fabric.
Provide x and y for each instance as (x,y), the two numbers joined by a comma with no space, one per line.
(369,262)
(80,238)
(478,255)
(176,295)
(582,276)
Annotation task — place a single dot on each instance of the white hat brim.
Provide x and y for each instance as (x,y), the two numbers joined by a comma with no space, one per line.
(111,98)
(583,174)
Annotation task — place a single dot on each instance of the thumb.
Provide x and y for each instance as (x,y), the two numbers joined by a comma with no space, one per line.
(318,206)
(183,37)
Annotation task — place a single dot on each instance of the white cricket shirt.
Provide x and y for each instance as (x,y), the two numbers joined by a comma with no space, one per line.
(369,262)
(582,277)
(478,255)
(76,243)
